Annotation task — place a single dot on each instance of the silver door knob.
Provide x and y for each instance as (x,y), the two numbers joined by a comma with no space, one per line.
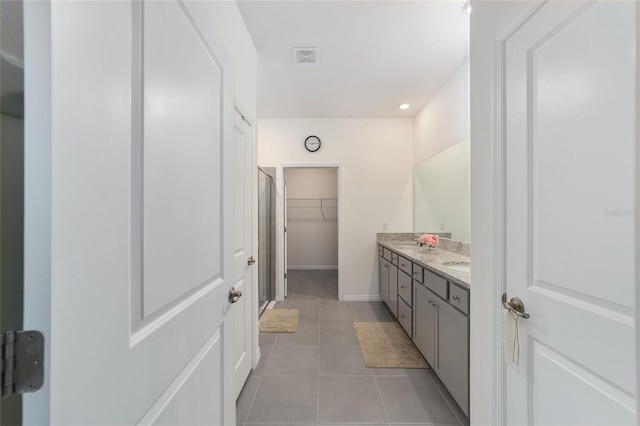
(514,305)
(251,261)
(234,295)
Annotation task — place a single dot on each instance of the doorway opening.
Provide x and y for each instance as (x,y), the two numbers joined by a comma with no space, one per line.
(311,221)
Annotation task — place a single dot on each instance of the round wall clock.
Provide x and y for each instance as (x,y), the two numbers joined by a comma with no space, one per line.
(312,143)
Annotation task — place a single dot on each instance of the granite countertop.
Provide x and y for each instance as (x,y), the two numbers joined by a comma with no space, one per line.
(432,260)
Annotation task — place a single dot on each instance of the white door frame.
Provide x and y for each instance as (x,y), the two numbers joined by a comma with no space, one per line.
(254,231)
(280,215)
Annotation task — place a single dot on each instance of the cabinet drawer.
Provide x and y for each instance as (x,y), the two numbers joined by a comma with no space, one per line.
(405,316)
(417,273)
(404,287)
(394,258)
(459,298)
(405,265)
(436,284)
(380,251)
(386,253)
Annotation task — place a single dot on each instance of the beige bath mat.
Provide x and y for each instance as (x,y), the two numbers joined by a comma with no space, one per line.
(279,321)
(386,345)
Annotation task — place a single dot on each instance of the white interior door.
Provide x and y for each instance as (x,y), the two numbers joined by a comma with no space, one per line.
(129,213)
(570,81)
(243,310)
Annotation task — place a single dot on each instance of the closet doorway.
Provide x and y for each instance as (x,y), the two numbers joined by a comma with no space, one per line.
(311,213)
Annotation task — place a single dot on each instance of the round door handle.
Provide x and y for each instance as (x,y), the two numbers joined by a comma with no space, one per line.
(251,261)
(234,295)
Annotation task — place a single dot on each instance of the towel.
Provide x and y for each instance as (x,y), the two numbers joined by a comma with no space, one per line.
(511,340)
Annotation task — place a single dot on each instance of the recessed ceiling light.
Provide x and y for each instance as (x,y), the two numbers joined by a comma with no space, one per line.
(404,106)
(466,7)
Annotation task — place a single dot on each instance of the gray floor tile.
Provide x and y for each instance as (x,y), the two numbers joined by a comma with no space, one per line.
(403,372)
(245,399)
(307,305)
(342,360)
(367,306)
(342,335)
(292,360)
(414,400)
(284,304)
(304,336)
(457,411)
(334,305)
(265,353)
(307,295)
(372,316)
(267,339)
(329,292)
(286,400)
(336,318)
(338,401)
(283,424)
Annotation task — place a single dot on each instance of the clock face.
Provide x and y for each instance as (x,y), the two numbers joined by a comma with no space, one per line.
(312,143)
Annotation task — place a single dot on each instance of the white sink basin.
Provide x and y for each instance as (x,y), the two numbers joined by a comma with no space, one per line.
(458,266)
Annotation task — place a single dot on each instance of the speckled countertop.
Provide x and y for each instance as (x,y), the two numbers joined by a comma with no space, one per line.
(432,260)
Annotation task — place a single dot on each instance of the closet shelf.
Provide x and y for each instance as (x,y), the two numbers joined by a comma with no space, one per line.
(312,210)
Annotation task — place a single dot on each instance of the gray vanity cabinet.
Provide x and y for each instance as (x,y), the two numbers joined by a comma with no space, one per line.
(441,333)
(383,277)
(453,353)
(435,314)
(388,282)
(425,323)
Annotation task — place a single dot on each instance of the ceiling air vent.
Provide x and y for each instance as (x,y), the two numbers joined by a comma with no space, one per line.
(305,55)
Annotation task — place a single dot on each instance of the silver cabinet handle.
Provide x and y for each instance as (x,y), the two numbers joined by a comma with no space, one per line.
(456,298)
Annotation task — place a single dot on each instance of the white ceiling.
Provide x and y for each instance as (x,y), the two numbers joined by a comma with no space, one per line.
(373,55)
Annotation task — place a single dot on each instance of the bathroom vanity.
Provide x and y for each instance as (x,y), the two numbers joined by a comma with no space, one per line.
(428,292)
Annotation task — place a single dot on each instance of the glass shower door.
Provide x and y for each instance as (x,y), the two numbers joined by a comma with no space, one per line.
(266,242)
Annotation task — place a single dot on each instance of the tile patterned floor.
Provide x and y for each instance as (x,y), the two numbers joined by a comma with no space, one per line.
(316,376)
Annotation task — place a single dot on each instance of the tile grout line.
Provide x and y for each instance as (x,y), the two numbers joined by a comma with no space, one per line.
(255,395)
(446,401)
(384,408)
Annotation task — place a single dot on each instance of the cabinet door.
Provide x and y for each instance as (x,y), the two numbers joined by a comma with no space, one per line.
(383,278)
(453,353)
(393,289)
(425,321)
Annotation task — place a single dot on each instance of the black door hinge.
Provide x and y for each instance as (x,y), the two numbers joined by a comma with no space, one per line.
(22,362)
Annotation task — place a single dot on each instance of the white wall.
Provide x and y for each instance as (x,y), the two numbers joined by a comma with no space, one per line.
(312,232)
(486,21)
(377,181)
(444,120)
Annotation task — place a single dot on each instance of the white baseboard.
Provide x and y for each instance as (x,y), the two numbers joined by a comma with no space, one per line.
(362,298)
(311,267)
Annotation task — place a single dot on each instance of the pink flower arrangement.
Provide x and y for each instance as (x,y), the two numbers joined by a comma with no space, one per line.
(428,239)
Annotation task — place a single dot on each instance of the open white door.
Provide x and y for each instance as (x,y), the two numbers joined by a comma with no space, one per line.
(570,76)
(243,311)
(129,213)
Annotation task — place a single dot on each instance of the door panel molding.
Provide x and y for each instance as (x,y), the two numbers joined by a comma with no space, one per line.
(143,320)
